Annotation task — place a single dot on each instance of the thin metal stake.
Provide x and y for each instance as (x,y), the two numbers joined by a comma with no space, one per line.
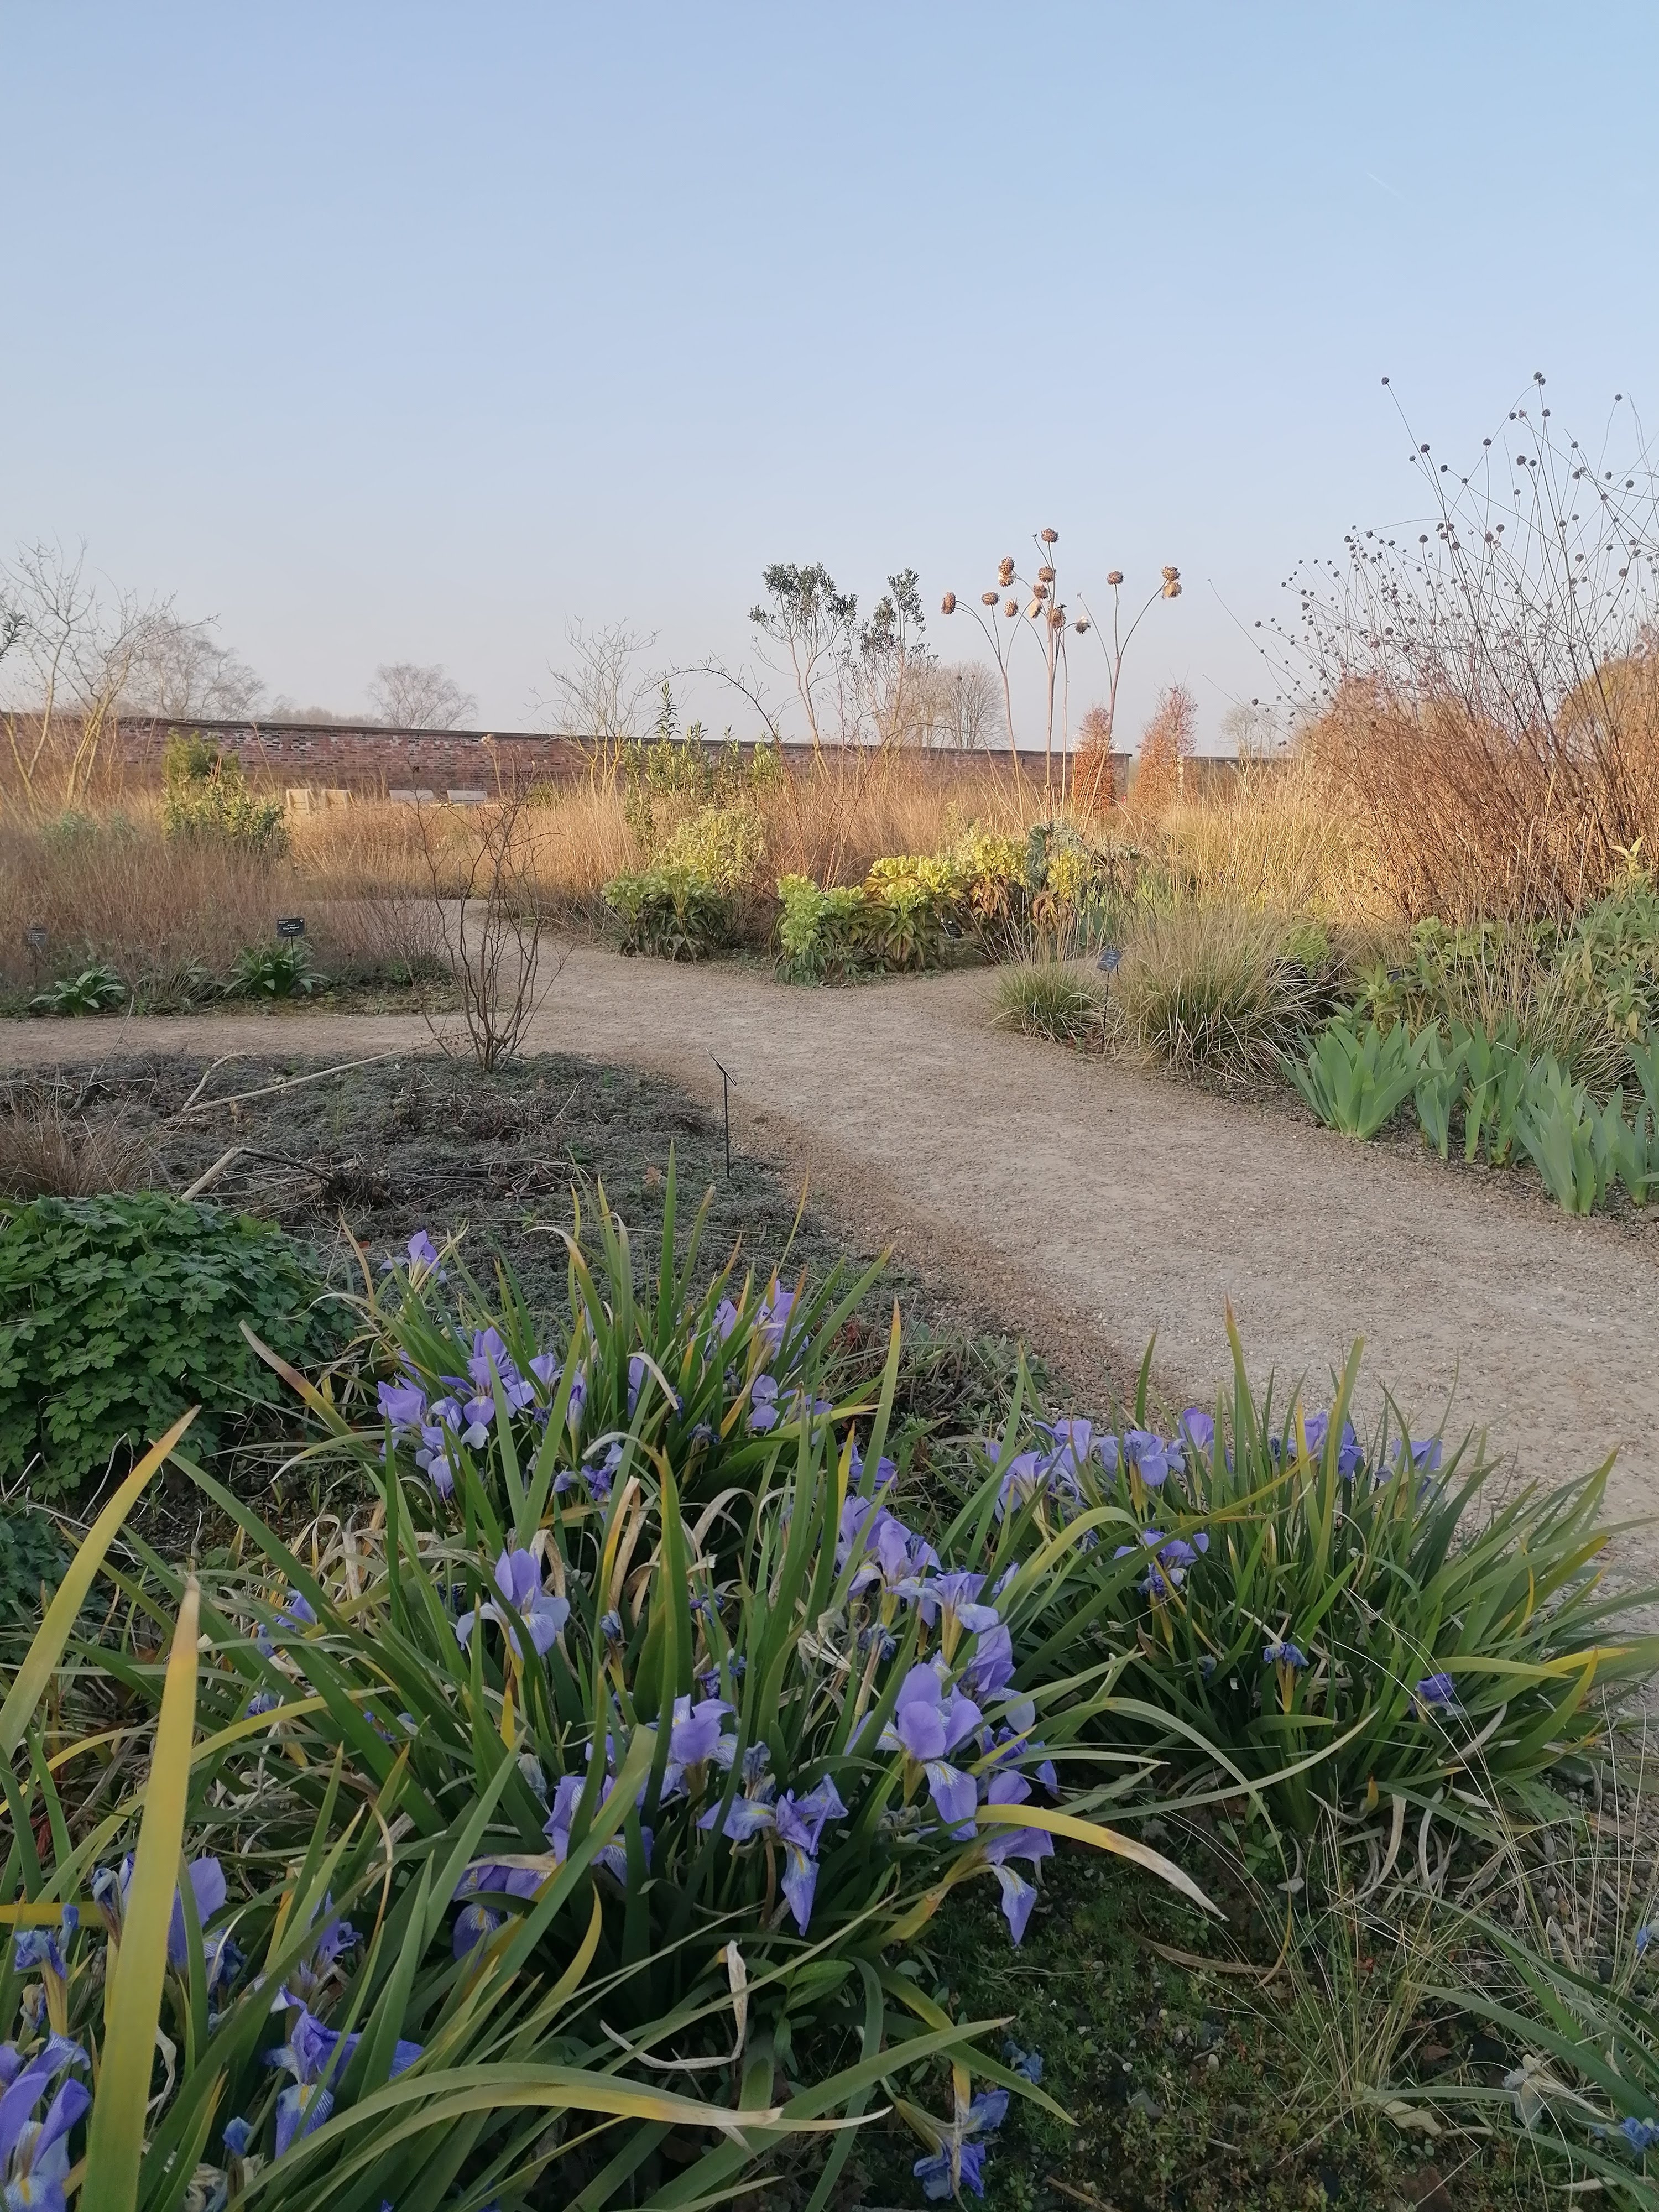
(726,1102)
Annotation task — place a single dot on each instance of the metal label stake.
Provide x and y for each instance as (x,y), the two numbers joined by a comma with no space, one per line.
(726,1106)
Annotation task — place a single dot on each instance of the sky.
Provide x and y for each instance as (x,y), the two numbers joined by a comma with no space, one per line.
(413,332)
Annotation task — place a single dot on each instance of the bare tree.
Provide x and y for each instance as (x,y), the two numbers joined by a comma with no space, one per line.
(183,673)
(895,667)
(82,648)
(813,625)
(966,707)
(602,690)
(407,696)
(484,920)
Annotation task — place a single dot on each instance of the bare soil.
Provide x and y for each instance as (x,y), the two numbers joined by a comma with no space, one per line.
(1087,1205)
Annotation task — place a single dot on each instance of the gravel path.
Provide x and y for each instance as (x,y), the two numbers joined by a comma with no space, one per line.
(1091,1205)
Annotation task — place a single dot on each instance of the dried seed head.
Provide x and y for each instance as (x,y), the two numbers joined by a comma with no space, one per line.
(1172,575)
(947,605)
(1046,575)
(1056,617)
(1079,627)
(1051,537)
(1011,607)
(1006,569)
(1172,589)
(988,598)
(1039,592)
(1115,578)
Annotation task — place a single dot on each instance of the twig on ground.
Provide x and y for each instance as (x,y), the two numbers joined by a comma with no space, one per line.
(211,1175)
(288,1083)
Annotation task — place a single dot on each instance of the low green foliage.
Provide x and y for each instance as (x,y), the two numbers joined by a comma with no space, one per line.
(118,1312)
(1003,897)
(31,1554)
(205,794)
(1575,990)
(1354,1080)
(272,971)
(94,990)
(1053,999)
(677,913)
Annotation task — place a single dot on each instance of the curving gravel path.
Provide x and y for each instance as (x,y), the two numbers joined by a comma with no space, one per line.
(1090,1204)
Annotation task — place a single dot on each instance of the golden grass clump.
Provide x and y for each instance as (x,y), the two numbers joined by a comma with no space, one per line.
(1209,989)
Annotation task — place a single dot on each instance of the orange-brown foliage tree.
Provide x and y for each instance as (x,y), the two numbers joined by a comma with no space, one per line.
(1169,739)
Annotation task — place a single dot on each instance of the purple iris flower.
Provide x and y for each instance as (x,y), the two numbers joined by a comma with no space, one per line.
(207,1885)
(305,1978)
(951,1600)
(317,2056)
(1074,1446)
(1153,1458)
(475,1921)
(1285,1654)
(894,1558)
(435,1457)
(402,1403)
(34,2161)
(566,1795)
(297,1612)
(1641,2135)
(1198,1429)
(772,1322)
(1035,1844)
(422,1252)
(764,1412)
(959,2160)
(886,1471)
(798,1830)
(696,1736)
(991,1669)
(726,1320)
(519,1579)
(1436,1692)
(37,1950)
(926,1726)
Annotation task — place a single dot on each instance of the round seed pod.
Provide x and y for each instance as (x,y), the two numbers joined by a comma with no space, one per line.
(1046,575)
(1051,537)
(947,605)
(1011,607)
(988,598)
(1115,578)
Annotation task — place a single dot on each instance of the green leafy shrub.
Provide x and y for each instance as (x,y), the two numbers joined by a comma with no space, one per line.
(1357,1079)
(31,1553)
(675,913)
(1291,1595)
(118,1312)
(1053,1000)
(820,932)
(205,794)
(94,990)
(724,845)
(272,971)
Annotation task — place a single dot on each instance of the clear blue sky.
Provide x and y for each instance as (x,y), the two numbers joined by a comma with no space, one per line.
(410,332)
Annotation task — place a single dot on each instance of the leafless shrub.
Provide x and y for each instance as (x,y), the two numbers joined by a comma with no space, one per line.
(1481,687)
(485,916)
